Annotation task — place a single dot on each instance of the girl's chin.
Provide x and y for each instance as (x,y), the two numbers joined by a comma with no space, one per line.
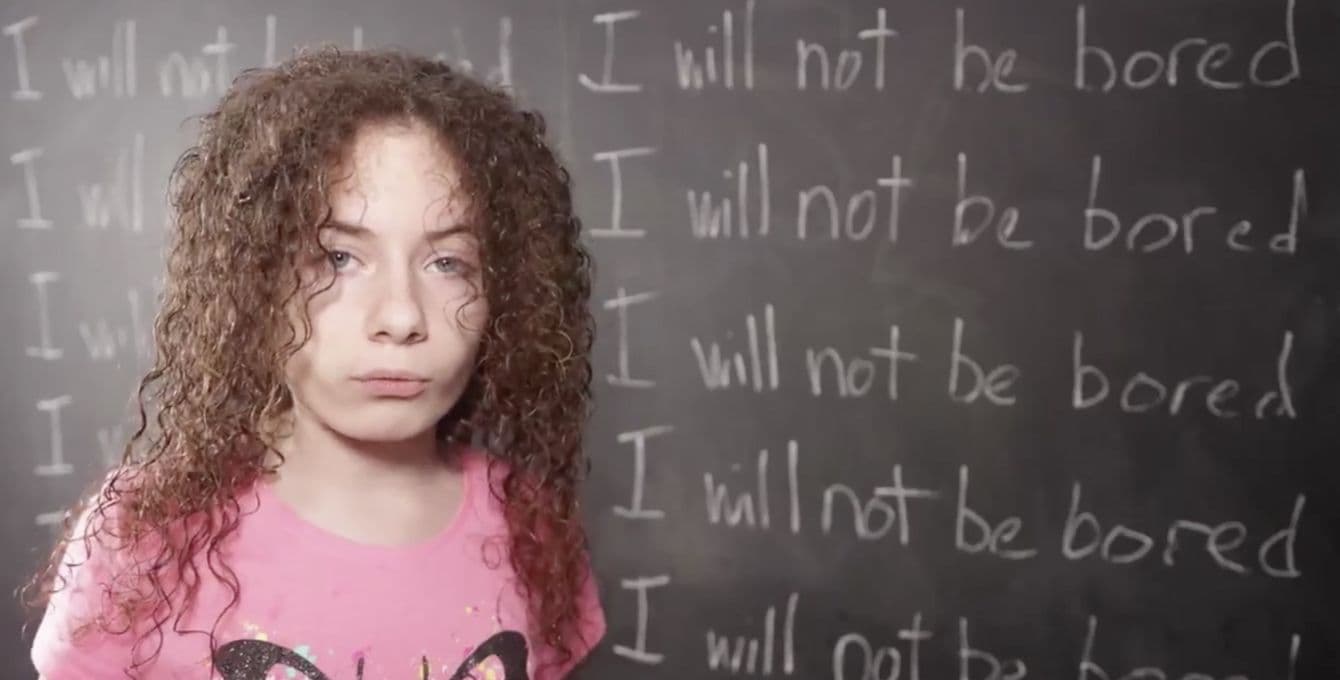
(381,430)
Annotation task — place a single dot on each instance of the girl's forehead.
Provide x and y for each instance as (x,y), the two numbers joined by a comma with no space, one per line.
(397,177)
(390,147)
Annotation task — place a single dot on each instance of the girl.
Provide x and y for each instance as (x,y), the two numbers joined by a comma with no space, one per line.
(371,380)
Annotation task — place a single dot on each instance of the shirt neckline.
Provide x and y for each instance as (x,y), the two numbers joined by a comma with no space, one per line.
(275,511)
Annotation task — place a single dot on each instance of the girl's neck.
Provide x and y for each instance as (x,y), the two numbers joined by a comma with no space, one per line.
(374,493)
(317,456)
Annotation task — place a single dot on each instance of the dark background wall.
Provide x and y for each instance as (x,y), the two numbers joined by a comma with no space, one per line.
(1050,383)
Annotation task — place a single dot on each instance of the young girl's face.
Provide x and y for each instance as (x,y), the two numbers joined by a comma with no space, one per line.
(394,338)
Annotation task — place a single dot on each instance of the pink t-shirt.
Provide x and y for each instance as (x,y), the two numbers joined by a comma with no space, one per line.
(316,605)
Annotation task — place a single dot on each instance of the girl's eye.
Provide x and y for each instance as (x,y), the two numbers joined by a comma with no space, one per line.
(338,258)
(449,265)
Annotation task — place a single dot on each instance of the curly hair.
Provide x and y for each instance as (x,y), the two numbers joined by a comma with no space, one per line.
(248,199)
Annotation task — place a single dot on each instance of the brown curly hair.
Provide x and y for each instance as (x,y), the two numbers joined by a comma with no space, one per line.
(248,200)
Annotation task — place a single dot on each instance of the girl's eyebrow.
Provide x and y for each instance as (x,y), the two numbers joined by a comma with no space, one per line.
(361,232)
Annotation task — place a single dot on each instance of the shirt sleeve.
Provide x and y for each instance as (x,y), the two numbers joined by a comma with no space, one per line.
(77,597)
(590,624)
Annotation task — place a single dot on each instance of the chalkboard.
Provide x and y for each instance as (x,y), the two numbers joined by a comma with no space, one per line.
(987,340)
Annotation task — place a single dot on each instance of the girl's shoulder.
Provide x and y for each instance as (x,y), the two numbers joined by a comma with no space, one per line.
(83,628)
(485,494)
(484,469)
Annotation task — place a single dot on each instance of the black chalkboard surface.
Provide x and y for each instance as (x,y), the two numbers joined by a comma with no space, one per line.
(986,341)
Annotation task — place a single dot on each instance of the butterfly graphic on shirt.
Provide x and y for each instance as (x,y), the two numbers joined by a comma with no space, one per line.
(251,659)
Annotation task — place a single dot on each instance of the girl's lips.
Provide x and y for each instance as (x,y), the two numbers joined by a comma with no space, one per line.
(385,387)
(390,374)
